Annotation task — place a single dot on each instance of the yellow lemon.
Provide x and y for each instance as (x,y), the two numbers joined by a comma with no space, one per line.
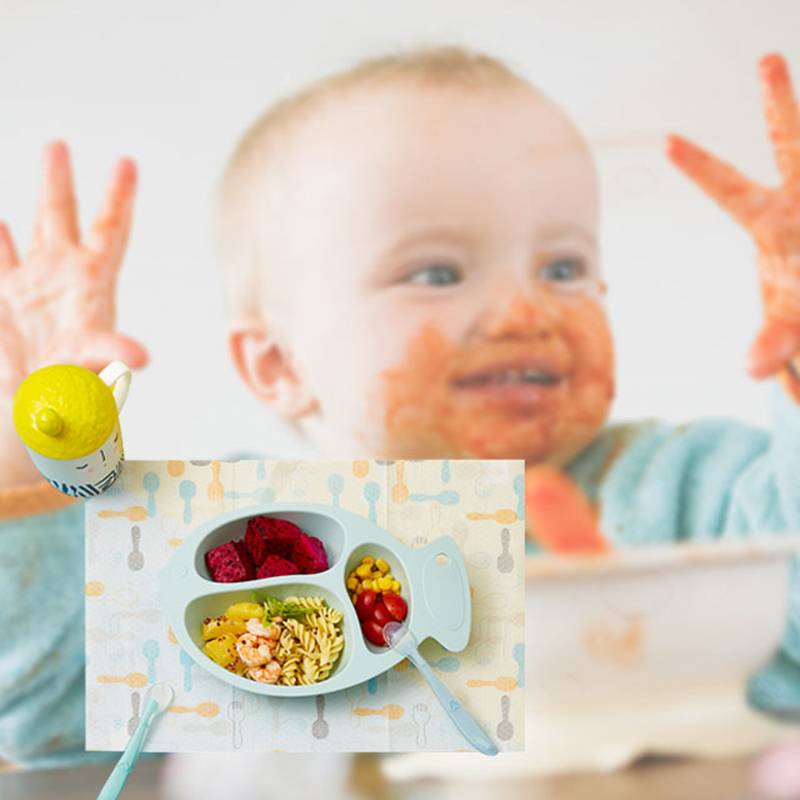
(64,411)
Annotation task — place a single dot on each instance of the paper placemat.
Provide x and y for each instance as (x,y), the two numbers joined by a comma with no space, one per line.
(133,530)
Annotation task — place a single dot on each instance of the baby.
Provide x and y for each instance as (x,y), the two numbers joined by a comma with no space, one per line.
(434,218)
(411,261)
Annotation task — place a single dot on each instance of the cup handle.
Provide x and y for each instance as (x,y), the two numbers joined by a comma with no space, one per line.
(117,376)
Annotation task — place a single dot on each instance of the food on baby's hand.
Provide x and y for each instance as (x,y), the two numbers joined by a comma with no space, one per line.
(376,596)
(291,642)
(230,563)
(270,547)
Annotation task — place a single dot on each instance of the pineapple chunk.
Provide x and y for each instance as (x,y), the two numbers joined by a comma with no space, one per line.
(245,611)
(222,650)
(237,666)
(220,626)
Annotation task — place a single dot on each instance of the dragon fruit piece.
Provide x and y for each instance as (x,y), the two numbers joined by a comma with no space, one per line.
(269,536)
(229,563)
(276,565)
(309,554)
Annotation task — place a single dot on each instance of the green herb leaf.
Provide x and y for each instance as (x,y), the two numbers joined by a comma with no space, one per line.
(274,607)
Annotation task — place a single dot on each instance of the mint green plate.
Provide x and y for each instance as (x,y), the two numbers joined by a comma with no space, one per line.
(433,578)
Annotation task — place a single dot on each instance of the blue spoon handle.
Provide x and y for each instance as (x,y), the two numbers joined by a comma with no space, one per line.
(462,719)
(119,775)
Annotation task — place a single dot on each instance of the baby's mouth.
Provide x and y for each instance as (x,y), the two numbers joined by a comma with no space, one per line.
(520,384)
(507,376)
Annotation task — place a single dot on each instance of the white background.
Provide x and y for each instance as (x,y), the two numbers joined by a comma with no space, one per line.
(173,84)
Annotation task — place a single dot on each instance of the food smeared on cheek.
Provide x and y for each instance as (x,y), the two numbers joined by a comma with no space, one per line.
(539,394)
(416,398)
(589,338)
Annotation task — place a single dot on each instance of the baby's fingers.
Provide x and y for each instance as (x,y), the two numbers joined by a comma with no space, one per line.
(8,253)
(109,234)
(783,116)
(12,352)
(558,515)
(103,348)
(57,215)
(776,344)
(740,197)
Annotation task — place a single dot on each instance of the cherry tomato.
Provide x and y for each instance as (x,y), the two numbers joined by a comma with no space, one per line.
(381,614)
(395,605)
(365,603)
(373,632)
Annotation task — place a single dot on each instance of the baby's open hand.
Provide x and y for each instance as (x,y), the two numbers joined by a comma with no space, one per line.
(770,215)
(57,305)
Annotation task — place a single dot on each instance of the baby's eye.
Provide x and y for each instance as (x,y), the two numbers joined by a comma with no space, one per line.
(435,275)
(82,466)
(562,270)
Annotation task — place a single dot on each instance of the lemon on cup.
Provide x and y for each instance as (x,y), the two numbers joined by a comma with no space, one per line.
(68,420)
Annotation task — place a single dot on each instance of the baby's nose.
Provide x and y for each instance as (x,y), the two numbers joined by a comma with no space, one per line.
(522,316)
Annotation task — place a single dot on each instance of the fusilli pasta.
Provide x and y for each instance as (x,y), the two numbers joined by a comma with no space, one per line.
(309,649)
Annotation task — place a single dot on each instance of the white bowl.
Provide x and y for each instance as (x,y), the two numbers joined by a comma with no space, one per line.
(644,650)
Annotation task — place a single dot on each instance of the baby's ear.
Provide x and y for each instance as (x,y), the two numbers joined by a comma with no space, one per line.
(269,372)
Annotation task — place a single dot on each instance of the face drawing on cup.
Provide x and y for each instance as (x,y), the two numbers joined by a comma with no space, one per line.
(89,475)
(68,419)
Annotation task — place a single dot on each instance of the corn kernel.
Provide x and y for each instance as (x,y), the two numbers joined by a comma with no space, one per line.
(359,588)
(352,583)
(396,587)
(354,597)
(382,566)
(385,584)
(375,575)
(389,576)
(364,570)
(368,560)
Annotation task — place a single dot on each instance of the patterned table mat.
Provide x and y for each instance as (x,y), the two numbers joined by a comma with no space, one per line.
(133,529)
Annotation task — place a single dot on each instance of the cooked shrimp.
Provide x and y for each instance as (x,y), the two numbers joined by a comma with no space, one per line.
(254,650)
(267,674)
(257,628)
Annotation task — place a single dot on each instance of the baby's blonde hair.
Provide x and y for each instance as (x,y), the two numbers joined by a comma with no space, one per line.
(239,227)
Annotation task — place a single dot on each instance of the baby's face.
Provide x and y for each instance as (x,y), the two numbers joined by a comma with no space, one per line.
(441,293)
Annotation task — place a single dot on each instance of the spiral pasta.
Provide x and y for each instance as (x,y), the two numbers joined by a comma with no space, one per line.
(308,650)
(312,603)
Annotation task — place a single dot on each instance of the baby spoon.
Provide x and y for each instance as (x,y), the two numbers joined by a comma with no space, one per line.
(132,514)
(505,516)
(446,498)
(156,701)
(400,638)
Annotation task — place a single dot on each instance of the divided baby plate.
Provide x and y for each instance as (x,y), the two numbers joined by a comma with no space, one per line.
(433,578)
